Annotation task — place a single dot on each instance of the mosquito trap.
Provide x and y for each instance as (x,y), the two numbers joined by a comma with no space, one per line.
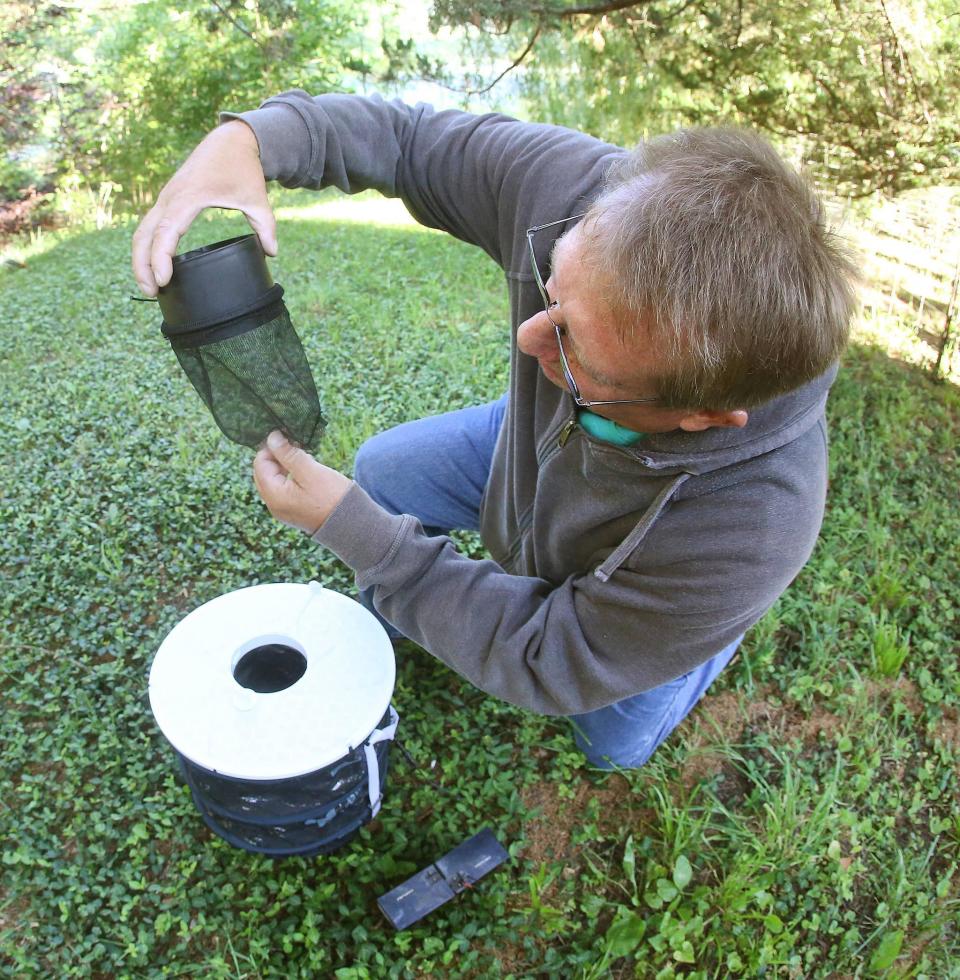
(276,700)
(229,327)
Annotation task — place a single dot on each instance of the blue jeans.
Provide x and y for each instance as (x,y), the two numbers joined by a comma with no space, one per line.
(436,469)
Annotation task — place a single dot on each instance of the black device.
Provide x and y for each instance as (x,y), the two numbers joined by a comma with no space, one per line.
(456,871)
(229,327)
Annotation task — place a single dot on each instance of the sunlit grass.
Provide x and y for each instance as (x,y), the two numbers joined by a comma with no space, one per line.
(368,209)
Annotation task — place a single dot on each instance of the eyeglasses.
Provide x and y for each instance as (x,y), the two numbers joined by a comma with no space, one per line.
(548,306)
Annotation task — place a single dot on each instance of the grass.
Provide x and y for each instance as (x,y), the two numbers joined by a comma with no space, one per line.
(803,821)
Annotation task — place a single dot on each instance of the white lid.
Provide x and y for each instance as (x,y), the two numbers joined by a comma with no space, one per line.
(341,697)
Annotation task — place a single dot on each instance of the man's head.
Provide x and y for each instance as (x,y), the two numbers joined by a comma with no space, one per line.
(711,280)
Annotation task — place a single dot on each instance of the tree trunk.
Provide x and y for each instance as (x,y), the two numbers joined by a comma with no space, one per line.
(948,321)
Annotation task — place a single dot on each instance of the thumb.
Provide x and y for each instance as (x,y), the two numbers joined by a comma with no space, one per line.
(294,460)
(263,222)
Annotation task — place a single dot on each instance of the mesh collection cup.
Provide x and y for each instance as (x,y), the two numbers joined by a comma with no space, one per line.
(229,327)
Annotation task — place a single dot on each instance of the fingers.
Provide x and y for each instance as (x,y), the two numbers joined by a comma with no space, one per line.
(142,244)
(286,499)
(278,464)
(166,237)
(155,244)
(296,488)
(223,171)
(296,462)
(267,472)
(156,239)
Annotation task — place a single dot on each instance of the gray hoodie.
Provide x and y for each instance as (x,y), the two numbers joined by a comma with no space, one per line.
(613,569)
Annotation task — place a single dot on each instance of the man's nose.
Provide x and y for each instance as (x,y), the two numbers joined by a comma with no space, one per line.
(537,337)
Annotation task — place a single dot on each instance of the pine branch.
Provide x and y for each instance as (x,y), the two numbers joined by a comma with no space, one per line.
(486,88)
(907,67)
(509,68)
(592,10)
(236,23)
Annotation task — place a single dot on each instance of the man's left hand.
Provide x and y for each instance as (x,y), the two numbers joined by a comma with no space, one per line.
(296,488)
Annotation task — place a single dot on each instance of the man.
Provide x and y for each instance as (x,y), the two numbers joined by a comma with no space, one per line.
(655,476)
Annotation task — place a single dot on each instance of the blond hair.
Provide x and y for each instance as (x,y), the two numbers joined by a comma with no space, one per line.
(719,250)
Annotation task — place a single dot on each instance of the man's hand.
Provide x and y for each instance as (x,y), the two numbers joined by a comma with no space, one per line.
(296,488)
(222,172)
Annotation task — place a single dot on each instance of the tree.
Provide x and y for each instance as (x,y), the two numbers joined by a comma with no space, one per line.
(202,57)
(120,93)
(868,90)
(27,89)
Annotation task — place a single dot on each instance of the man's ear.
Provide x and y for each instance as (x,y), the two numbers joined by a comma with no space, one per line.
(734,418)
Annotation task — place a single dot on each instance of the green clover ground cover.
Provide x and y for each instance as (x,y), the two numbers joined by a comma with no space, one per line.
(804,821)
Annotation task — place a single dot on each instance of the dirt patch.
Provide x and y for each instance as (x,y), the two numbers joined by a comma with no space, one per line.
(896,689)
(511,957)
(948,728)
(727,718)
(724,719)
(791,724)
(552,820)
(15,920)
(718,720)
(547,834)
(52,767)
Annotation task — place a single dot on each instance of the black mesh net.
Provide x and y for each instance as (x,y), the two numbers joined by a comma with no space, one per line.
(253,375)
(225,318)
(316,813)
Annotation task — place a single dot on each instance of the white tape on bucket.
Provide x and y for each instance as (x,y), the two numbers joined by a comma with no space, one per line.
(373,765)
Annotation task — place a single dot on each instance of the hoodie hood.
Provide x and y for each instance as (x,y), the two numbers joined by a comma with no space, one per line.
(769,426)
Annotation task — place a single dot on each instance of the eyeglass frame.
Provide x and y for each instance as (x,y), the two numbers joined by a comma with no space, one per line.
(572,385)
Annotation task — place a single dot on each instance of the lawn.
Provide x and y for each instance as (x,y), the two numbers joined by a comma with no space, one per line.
(803,822)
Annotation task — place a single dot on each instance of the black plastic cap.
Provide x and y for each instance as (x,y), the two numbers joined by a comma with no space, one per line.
(215,282)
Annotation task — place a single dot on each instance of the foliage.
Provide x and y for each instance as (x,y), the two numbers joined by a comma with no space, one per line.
(869,89)
(121,94)
(203,58)
(25,91)
(803,822)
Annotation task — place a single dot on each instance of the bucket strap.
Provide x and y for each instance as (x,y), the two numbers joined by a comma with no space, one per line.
(373,765)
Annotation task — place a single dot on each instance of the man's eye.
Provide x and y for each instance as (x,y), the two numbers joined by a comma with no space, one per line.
(553,304)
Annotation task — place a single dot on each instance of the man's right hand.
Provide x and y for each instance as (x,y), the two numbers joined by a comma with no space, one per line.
(222,172)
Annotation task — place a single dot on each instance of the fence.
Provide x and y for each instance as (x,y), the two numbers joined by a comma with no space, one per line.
(910,247)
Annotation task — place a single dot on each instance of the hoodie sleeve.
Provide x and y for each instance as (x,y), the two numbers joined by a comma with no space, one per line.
(479,177)
(584,643)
